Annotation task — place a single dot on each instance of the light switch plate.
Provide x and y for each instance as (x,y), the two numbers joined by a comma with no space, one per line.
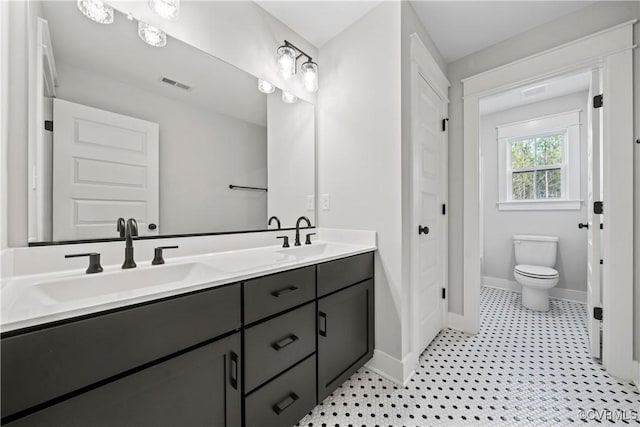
(310,202)
(325,202)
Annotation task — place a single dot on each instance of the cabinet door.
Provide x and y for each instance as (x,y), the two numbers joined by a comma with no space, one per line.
(197,388)
(345,335)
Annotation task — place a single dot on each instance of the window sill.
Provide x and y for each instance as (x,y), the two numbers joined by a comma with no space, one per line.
(540,205)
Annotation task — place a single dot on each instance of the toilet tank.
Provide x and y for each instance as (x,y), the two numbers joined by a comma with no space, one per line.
(536,250)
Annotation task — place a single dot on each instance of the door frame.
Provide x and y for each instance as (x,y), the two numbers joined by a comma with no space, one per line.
(611,50)
(424,66)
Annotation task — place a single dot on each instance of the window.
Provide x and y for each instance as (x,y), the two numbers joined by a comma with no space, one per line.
(540,163)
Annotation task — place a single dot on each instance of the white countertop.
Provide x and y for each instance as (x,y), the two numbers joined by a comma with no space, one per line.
(34,299)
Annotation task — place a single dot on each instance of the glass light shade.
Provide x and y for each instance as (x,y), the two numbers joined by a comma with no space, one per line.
(287,61)
(152,35)
(167,9)
(96,10)
(310,76)
(288,97)
(265,87)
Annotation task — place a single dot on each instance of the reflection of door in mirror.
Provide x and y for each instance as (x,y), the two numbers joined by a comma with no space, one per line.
(105,166)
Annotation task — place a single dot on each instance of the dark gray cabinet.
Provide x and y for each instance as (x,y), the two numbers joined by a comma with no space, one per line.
(197,388)
(345,335)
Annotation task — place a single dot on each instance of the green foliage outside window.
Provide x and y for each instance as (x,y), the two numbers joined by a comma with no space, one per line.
(536,167)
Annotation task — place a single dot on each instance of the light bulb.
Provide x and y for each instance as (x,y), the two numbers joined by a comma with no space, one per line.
(310,76)
(265,87)
(152,35)
(286,61)
(96,10)
(167,9)
(288,97)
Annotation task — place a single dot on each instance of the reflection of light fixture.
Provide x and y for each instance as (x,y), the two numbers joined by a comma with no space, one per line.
(287,61)
(310,76)
(288,97)
(152,35)
(96,10)
(167,9)
(130,16)
(288,55)
(265,87)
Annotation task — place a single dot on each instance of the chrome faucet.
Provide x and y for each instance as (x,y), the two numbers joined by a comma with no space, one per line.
(302,218)
(130,232)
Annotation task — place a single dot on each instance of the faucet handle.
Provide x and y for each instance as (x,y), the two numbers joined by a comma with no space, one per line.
(94,261)
(285,243)
(307,240)
(157,254)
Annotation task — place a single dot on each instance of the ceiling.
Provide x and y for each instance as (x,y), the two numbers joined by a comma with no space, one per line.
(318,21)
(540,91)
(458,28)
(116,52)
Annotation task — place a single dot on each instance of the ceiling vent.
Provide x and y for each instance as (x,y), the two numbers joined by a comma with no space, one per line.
(175,83)
(535,90)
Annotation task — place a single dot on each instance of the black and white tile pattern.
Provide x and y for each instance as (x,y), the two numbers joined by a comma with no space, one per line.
(523,368)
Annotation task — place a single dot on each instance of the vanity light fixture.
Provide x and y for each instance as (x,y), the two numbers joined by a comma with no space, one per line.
(288,97)
(265,87)
(96,10)
(152,35)
(167,9)
(288,55)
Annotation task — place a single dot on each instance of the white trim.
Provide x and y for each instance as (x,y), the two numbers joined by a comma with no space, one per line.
(4,122)
(456,321)
(555,293)
(429,67)
(611,50)
(395,370)
(540,205)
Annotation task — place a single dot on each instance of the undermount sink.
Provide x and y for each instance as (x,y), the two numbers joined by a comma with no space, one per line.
(306,250)
(94,285)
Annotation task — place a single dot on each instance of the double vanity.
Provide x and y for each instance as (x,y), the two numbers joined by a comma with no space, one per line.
(253,337)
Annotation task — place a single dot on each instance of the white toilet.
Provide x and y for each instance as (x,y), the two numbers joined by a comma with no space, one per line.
(535,259)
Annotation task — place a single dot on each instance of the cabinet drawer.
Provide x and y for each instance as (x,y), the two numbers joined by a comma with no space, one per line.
(285,400)
(269,295)
(335,275)
(197,388)
(275,345)
(40,365)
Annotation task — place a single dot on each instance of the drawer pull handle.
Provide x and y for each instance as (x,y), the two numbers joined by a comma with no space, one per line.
(284,291)
(323,324)
(233,368)
(279,407)
(284,342)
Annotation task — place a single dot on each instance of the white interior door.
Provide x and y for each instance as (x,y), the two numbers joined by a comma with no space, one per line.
(594,283)
(429,189)
(105,166)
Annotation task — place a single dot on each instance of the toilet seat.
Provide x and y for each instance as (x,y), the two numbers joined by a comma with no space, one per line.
(536,271)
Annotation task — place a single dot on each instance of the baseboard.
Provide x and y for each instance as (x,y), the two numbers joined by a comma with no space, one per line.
(395,370)
(456,321)
(555,293)
(637,380)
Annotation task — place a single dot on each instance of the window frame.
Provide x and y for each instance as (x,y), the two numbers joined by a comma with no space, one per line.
(568,124)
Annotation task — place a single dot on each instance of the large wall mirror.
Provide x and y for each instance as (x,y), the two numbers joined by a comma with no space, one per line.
(171,136)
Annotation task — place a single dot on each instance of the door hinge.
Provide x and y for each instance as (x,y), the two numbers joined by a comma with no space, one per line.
(598,208)
(601,262)
(444,209)
(597,313)
(601,226)
(444,124)
(597,101)
(444,293)
(48,125)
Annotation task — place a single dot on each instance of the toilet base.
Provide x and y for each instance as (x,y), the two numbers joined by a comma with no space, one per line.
(535,298)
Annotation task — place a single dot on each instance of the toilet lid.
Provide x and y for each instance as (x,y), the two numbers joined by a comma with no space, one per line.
(536,271)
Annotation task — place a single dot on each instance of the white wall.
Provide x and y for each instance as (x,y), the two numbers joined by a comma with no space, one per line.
(290,159)
(500,226)
(201,153)
(241,33)
(586,21)
(359,151)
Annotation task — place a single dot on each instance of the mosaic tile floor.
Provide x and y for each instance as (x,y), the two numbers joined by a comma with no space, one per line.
(523,368)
